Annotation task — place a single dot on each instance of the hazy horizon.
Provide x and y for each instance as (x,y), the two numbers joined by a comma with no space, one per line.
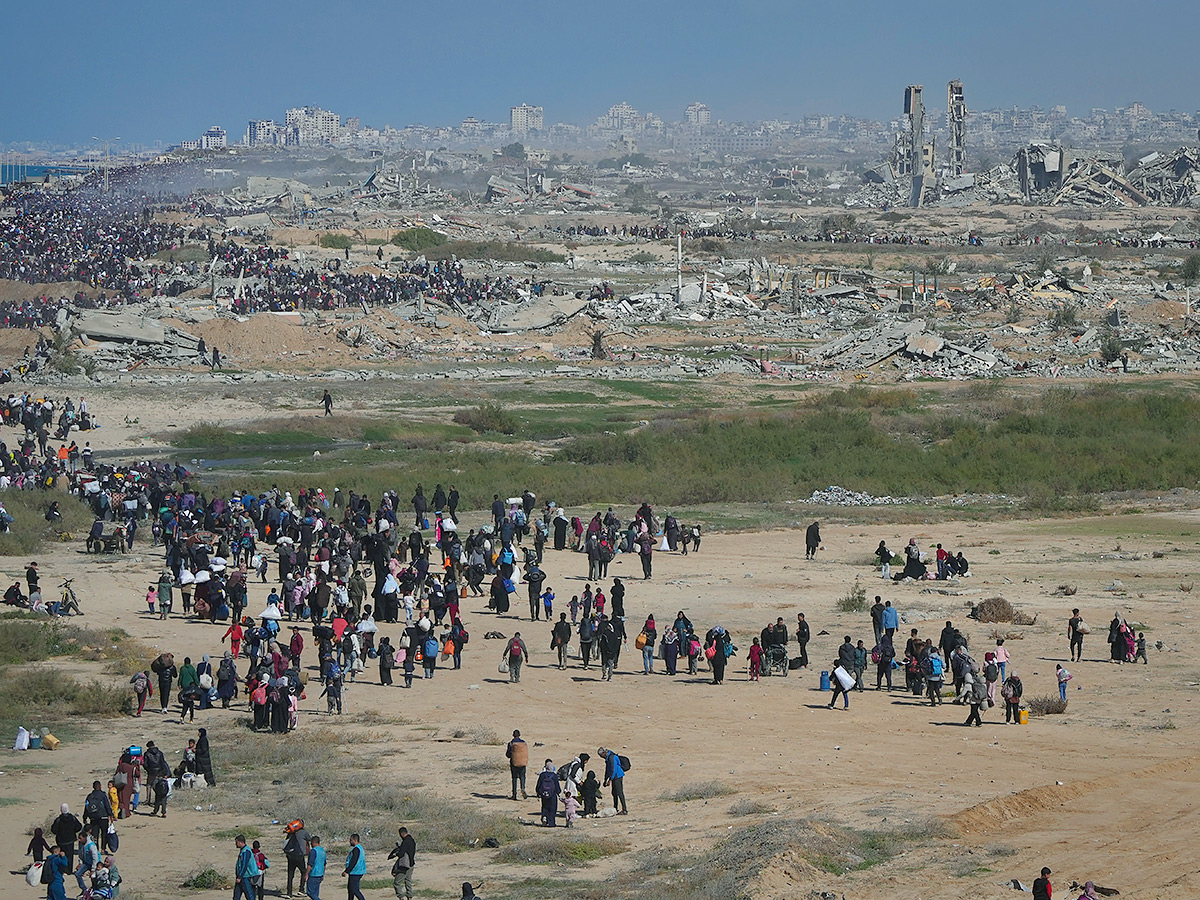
(168,72)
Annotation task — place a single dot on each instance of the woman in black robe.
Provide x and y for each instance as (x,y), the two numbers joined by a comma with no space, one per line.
(204,759)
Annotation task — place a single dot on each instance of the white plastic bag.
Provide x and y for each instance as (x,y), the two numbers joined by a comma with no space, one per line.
(34,876)
(22,742)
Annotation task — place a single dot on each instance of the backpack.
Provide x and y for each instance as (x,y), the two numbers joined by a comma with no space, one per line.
(94,808)
(991,672)
(935,667)
(47,873)
(140,682)
(586,631)
(625,764)
(431,648)
(463,636)
(876,655)
(335,671)
(730,649)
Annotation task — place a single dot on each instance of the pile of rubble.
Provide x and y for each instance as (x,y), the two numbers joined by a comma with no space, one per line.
(840,496)
(118,340)
(911,345)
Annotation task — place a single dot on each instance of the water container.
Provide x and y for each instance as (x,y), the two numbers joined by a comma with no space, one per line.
(825,681)
(1023,717)
(35,742)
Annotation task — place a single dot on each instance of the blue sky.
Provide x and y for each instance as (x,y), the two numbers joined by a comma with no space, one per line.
(168,70)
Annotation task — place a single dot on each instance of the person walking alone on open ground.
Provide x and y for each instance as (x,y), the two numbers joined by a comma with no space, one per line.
(518,759)
(812,540)
(515,654)
(405,854)
(327,402)
(1076,629)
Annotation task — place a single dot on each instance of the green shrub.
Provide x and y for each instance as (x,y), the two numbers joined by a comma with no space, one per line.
(331,240)
(560,850)
(1111,347)
(207,879)
(488,417)
(855,599)
(500,251)
(418,239)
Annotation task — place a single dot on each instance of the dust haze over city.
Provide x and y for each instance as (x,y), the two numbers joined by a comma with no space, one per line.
(809,389)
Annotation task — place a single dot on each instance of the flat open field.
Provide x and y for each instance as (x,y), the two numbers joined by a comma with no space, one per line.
(1106,791)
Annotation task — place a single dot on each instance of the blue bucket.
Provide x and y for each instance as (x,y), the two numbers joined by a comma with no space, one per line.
(825,681)
(35,742)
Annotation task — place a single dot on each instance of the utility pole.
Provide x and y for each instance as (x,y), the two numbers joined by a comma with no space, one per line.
(107,157)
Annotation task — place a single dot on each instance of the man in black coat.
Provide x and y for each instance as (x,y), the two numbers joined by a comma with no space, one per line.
(812,540)
(802,636)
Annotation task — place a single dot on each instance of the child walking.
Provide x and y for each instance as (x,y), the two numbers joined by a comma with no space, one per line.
(571,808)
(755,656)
(1063,677)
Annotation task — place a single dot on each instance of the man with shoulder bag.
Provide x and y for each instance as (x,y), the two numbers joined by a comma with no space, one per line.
(405,854)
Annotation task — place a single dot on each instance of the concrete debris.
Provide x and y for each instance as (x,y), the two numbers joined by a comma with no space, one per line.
(840,496)
(928,354)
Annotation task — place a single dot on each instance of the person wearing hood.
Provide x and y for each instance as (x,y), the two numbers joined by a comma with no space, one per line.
(548,790)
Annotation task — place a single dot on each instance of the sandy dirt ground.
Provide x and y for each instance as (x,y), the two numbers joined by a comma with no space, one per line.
(1107,791)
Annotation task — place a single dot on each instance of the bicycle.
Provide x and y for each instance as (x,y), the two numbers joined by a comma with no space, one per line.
(68,601)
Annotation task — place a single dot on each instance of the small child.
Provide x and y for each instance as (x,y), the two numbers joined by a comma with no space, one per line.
(548,602)
(333,692)
(409,658)
(161,791)
(573,606)
(755,656)
(1063,677)
(263,865)
(1000,655)
(590,791)
(38,847)
(571,808)
(410,604)
(1141,650)
(152,597)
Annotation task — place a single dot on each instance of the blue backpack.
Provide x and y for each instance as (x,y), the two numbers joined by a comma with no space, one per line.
(431,648)
(935,666)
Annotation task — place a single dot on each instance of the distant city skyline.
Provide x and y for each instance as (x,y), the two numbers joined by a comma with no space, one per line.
(167,72)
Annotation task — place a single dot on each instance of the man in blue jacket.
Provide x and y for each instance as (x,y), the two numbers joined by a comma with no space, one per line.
(356,868)
(245,871)
(890,619)
(614,775)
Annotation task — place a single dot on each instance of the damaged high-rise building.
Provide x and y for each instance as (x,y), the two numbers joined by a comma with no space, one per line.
(956,123)
(920,153)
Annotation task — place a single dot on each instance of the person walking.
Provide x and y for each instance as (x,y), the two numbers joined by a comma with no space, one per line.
(647,639)
(877,618)
(548,790)
(515,654)
(356,868)
(327,401)
(976,688)
(316,868)
(614,777)
(245,871)
(560,639)
(1011,691)
(517,752)
(65,828)
(1062,676)
(1075,635)
(57,866)
(883,654)
(405,854)
(838,688)
(295,851)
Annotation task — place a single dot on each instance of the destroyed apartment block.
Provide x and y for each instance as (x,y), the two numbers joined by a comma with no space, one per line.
(911,345)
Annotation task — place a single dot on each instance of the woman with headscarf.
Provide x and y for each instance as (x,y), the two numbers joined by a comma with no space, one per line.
(1089,892)
(913,567)
(227,680)
(714,649)
(1116,642)
(207,685)
(670,649)
(128,776)
(204,758)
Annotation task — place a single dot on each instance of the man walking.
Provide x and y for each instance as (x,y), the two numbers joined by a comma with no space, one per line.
(560,638)
(517,752)
(405,854)
(1075,635)
(245,871)
(327,401)
(516,654)
(356,868)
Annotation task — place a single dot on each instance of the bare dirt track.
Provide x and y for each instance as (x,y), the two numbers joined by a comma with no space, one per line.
(1074,792)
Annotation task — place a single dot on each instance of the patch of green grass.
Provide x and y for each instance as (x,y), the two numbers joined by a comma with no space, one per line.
(855,599)
(334,241)
(563,849)
(418,239)
(212,436)
(698,790)
(251,832)
(488,417)
(30,530)
(11,801)
(335,799)
(208,878)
